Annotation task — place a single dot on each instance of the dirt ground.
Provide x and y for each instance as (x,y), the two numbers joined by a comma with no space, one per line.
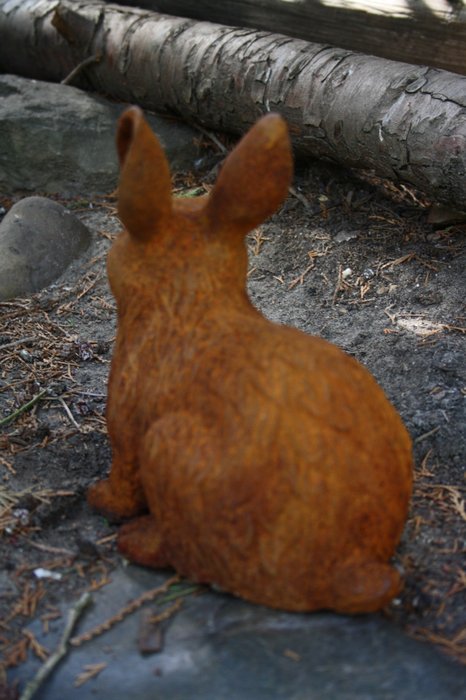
(349,258)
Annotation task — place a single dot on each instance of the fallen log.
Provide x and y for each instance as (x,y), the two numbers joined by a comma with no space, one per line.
(405,122)
(430,34)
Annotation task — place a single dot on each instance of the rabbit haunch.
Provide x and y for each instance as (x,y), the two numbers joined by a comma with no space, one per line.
(247,454)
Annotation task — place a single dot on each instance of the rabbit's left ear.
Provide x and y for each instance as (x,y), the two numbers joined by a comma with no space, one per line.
(144,192)
(254,179)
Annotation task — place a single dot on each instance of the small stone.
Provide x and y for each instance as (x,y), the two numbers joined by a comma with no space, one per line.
(344,236)
(38,240)
(46,573)
(382,290)
(25,355)
(368,273)
(450,361)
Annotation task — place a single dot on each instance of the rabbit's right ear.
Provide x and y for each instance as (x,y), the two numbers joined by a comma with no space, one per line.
(254,179)
(144,192)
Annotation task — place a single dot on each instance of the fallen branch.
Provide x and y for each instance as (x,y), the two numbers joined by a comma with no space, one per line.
(21,341)
(45,670)
(404,122)
(23,408)
(372,27)
(84,64)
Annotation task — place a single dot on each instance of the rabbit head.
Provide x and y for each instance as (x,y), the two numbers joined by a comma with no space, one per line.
(166,236)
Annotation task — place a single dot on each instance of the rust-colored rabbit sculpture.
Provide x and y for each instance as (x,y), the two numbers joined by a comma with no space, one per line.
(266,461)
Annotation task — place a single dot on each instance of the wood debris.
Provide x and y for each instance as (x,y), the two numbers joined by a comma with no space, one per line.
(145,597)
(90,671)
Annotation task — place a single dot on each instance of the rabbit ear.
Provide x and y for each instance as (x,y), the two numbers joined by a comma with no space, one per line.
(255,177)
(144,192)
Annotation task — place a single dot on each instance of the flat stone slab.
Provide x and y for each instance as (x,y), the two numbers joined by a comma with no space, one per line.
(56,138)
(38,239)
(220,648)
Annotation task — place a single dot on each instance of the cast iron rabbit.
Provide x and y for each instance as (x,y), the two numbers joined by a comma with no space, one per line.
(270,462)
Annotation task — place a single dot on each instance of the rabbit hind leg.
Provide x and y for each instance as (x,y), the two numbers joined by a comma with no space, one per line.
(364,587)
(139,540)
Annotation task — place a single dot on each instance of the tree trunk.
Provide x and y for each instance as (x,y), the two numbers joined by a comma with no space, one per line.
(405,122)
(431,34)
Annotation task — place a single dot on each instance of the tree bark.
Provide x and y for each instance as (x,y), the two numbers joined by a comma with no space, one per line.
(402,121)
(431,34)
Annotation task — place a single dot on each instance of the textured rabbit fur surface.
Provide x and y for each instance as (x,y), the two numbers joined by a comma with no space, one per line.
(245,453)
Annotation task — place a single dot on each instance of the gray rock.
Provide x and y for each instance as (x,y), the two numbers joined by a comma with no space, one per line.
(220,648)
(57,138)
(38,240)
(451,362)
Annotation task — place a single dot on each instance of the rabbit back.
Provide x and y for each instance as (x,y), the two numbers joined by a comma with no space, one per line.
(272,465)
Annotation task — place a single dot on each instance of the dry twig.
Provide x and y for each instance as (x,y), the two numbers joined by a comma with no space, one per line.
(20,341)
(455,646)
(23,408)
(45,670)
(90,671)
(84,64)
(124,612)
